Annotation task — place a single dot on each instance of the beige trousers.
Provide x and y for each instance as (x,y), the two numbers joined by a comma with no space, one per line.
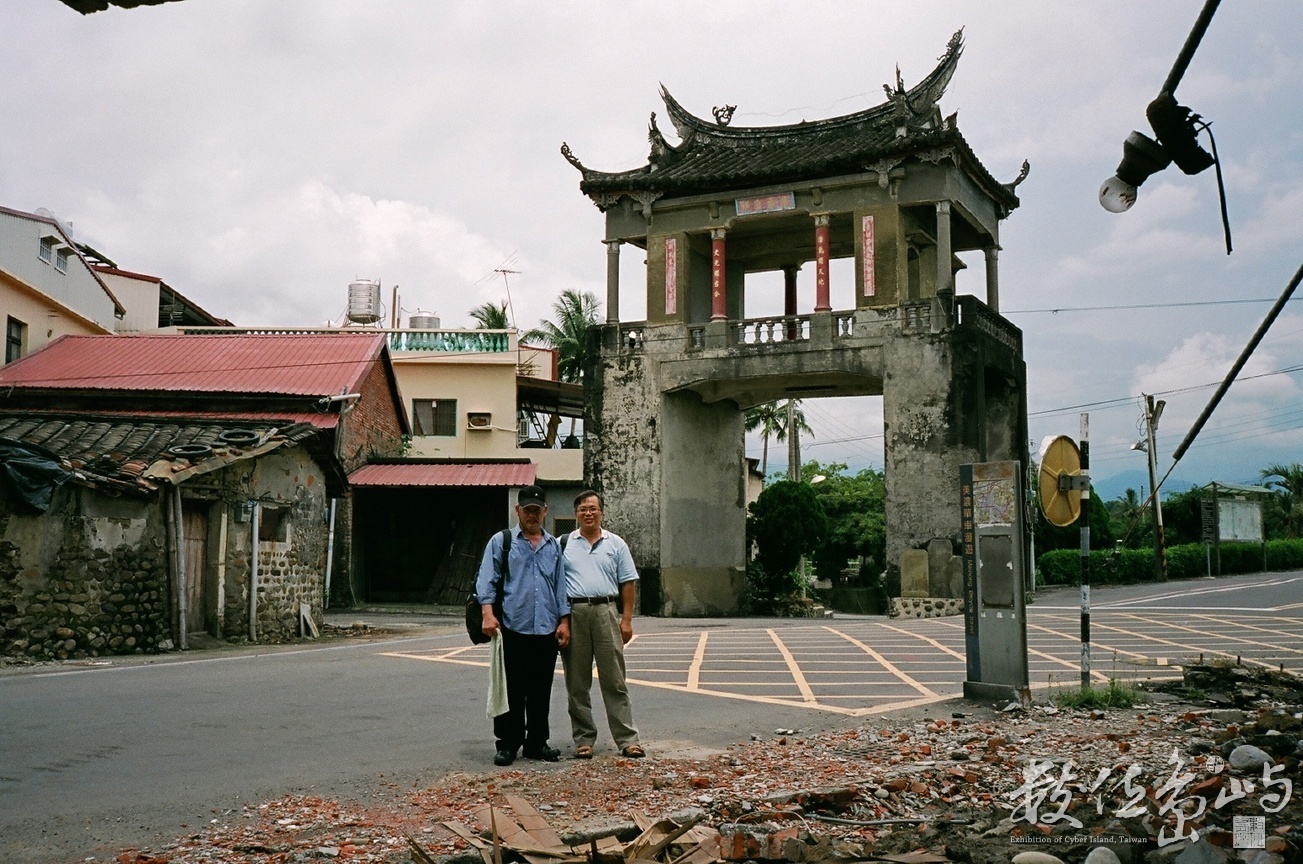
(595,637)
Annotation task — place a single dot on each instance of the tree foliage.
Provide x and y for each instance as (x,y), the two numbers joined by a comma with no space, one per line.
(491,316)
(1285,508)
(786,522)
(855,506)
(575,312)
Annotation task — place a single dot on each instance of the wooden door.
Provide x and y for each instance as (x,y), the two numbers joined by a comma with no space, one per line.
(194,528)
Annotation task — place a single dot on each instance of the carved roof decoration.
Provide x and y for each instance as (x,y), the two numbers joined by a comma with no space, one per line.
(714,156)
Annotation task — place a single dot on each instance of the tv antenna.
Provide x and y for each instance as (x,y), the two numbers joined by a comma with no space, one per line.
(506,284)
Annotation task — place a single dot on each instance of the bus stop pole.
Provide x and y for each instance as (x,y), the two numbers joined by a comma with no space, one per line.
(1085,552)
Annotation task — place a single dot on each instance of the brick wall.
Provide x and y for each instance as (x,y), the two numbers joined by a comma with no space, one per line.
(372,427)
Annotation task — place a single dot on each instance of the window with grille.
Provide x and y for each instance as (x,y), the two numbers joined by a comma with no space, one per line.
(46,251)
(563,525)
(15,336)
(61,260)
(434,417)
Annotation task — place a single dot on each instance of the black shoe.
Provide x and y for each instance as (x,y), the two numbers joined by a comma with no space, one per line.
(543,754)
(504,757)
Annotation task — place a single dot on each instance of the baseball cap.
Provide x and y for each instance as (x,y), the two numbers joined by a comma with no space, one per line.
(531,496)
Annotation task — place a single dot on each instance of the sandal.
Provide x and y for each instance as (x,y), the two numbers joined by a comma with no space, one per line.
(633,751)
(583,751)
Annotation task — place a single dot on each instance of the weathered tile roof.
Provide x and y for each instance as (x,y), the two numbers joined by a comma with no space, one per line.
(712,157)
(139,453)
(319,364)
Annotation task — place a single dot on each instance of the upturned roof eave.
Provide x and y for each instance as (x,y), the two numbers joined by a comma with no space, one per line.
(597,183)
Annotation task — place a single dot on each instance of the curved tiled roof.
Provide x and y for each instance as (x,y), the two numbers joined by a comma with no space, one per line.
(714,156)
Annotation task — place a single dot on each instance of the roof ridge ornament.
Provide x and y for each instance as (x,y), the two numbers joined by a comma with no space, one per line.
(1022,175)
(724,115)
(571,158)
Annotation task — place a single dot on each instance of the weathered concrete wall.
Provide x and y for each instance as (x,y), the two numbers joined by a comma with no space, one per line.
(622,446)
(87,578)
(703,516)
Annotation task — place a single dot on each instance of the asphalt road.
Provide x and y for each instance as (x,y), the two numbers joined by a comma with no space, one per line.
(97,757)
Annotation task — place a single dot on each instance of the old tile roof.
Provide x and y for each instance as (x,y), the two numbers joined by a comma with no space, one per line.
(319,364)
(714,157)
(139,453)
(445,474)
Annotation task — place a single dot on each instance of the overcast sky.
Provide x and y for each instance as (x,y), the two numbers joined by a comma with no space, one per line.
(258,155)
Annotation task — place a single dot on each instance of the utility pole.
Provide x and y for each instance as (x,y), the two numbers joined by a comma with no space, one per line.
(1154,410)
(793,443)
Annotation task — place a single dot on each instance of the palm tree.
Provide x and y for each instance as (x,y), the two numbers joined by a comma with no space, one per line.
(771,419)
(491,316)
(1287,480)
(575,312)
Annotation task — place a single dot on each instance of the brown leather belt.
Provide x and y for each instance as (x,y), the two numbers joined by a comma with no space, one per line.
(592,600)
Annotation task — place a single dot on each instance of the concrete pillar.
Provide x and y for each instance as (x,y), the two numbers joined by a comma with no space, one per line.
(612,281)
(718,283)
(822,303)
(945,278)
(993,277)
(789,300)
(703,508)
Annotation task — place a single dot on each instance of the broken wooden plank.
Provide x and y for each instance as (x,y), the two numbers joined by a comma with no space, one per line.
(533,822)
(652,842)
(485,849)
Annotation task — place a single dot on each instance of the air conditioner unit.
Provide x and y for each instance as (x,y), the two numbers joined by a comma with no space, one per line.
(479,420)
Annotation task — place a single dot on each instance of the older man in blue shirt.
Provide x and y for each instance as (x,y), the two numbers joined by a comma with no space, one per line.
(536,621)
(600,579)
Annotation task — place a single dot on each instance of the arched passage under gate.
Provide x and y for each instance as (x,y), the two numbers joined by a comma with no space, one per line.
(894,189)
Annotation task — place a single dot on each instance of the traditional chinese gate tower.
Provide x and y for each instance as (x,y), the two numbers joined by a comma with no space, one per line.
(895,187)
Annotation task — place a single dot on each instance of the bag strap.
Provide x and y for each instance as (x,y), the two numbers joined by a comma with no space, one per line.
(563,540)
(504,563)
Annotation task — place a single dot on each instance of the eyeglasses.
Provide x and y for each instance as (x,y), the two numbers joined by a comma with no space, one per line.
(589,509)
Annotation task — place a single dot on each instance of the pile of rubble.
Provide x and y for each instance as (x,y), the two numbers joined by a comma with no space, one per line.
(1170,782)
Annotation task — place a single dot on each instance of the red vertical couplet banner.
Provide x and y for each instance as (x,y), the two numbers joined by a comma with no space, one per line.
(718,309)
(822,303)
(867,256)
(671,275)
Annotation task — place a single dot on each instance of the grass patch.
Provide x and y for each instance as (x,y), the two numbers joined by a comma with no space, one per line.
(1118,694)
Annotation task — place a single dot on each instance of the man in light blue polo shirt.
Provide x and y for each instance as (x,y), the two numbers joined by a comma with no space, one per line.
(600,587)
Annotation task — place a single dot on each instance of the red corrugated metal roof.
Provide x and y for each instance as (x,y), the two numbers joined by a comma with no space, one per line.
(446,474)
(319,364)
(314,418)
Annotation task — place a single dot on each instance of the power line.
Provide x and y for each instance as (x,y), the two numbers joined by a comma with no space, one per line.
(1055,311)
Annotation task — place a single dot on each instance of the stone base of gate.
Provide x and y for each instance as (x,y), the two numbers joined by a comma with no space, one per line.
(701,592)
(925,607)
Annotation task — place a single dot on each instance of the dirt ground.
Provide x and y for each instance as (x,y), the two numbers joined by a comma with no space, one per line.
(955,782)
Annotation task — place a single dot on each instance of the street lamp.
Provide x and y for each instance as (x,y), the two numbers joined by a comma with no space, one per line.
(1175,126)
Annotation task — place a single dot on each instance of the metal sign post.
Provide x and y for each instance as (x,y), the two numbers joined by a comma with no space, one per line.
(1085,550)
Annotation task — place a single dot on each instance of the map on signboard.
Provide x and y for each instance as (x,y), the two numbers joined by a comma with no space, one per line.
(993,502)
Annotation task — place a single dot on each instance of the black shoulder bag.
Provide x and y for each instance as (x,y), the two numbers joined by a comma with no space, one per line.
(474,612)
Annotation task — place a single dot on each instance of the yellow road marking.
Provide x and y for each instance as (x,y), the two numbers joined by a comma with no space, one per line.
(694,671)
(1180,645)
(886,664)
(806,693)
(1245,626)
(934,643)
(1252,642)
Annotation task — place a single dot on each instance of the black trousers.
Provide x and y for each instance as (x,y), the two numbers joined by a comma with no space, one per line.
(531,666)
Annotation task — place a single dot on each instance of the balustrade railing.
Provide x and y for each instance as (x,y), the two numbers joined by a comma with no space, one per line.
(771,331)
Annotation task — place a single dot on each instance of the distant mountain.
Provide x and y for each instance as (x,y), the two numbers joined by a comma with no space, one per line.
(1116,486)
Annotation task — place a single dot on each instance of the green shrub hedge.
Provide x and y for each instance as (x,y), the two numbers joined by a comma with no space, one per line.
(1063,566)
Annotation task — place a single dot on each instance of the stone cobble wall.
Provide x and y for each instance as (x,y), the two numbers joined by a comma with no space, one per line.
(925,607)
(85,601)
